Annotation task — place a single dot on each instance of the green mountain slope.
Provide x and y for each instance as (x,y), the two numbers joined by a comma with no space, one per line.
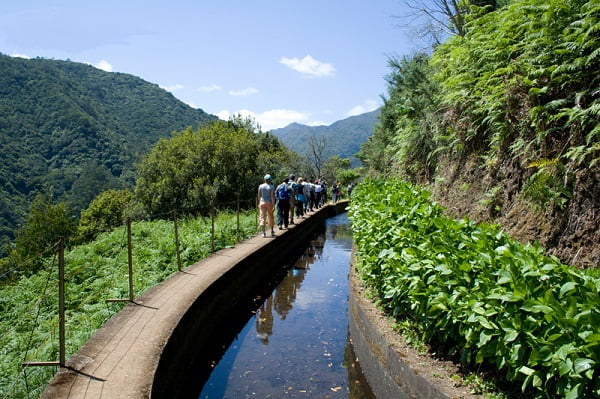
(343,137)
(72,130)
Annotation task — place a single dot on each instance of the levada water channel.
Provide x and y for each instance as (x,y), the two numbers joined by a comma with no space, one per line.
(291,341)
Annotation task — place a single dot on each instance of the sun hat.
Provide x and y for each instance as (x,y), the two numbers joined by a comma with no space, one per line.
(267,177)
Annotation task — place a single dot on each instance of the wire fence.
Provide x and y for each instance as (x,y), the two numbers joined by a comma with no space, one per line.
(89,283)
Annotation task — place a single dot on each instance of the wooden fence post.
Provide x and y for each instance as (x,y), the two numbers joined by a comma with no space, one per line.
(61,301)
(61,312)
(176,240)
(130,259)
(212,229)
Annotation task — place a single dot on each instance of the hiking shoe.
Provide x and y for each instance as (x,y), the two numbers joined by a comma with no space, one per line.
(272,233)
(264,234)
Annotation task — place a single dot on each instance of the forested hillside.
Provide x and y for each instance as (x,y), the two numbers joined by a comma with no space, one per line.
(502,122)
(72,131)
(342,138)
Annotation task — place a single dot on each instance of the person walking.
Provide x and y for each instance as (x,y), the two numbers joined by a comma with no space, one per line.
(306,190)
(299,194)
(292,197)
(318,189)
(323,184)
(266,200)
(350,188)
(282,194)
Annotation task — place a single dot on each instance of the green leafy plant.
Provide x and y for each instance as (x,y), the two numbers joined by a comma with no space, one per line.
(479,293)
(549,185)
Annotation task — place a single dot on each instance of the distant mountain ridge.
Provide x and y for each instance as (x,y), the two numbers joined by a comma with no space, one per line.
(73,130)
(344,137)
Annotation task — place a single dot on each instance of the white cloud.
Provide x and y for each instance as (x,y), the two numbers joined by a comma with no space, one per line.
(368,106)
(16,55)
(245,92)
(104,65)
(209,88)
(308,66)
(173,88)
(269,120)
(277,118)
(224,115)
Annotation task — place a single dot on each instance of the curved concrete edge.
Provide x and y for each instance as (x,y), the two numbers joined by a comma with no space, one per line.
(136,346)
(387,369)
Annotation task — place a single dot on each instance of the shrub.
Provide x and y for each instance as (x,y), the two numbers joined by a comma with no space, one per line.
(104,213)
(476,291)
(45,224)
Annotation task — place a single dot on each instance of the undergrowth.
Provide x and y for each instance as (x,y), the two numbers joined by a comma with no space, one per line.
(95,272)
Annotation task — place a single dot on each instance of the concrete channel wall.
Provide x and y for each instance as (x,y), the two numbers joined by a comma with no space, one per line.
(143,351)
(388,369)
(133,354)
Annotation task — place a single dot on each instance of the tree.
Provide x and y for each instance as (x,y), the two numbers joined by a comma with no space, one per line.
(216,164)
(46,223)
(404,140)
(105,212)
(332,167)
(316,147)
(437,19)
(346,176)
(93,180)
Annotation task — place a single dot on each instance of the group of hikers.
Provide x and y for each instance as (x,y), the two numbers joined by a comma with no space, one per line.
(292,197)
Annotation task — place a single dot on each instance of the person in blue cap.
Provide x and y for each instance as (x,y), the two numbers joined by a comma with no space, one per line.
(266,203)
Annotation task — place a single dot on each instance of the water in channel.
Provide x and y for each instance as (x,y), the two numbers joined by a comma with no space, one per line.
(295,344)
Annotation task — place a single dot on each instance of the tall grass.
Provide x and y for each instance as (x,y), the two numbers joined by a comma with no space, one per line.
(95,272)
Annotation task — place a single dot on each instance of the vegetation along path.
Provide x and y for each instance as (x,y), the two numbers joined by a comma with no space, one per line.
(125,355)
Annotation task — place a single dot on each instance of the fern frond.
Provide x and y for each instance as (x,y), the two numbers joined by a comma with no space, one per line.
(543,163)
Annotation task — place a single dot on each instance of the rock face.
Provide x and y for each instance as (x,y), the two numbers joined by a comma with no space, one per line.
(570,232)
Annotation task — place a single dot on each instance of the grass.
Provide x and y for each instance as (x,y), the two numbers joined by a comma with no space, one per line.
(95,272)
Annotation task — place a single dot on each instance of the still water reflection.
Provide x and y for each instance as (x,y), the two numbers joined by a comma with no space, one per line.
(295,345)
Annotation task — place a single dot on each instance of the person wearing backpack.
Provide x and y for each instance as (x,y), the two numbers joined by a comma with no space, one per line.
(299,196)
(283,195)
(291,182)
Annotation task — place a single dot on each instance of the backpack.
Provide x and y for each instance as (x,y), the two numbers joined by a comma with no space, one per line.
(282,193)
(296,187)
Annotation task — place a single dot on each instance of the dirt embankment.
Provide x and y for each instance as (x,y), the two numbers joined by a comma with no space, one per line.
(571,233)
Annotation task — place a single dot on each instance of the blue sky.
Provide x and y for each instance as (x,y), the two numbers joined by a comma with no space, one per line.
(313,61)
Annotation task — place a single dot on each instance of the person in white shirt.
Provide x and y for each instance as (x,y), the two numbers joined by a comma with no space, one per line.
(266,199)
(318,189)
